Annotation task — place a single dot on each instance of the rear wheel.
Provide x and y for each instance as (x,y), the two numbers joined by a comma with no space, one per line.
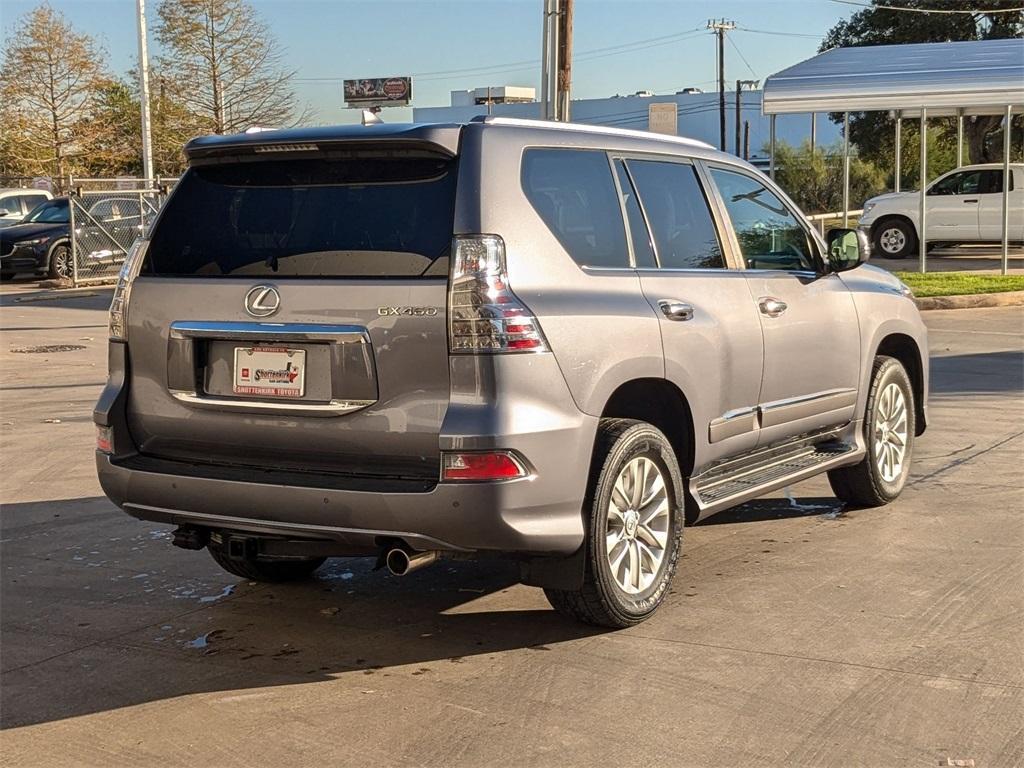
(889,426)
(895,239)
(60,262)
(635,525)
(266,570)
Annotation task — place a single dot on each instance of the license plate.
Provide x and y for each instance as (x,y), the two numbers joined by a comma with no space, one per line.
(270,371)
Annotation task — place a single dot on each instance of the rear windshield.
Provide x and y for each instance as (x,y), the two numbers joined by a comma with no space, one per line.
(366,215)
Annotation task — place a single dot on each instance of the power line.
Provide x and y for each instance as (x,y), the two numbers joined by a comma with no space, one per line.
(522,65)
(971,11)
(744,58)
(780,34)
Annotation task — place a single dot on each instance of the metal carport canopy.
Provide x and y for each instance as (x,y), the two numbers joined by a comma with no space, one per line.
(978,77)
(975,77)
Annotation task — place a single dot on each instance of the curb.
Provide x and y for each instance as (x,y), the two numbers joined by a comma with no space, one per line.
(972,301)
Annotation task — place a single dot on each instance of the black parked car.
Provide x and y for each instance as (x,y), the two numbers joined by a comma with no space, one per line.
(41,243)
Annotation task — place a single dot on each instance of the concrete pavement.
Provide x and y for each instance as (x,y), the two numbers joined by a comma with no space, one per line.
(798,633)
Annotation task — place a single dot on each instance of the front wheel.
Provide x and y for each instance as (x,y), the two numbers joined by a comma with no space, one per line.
(635,523)
(895,239)
(60,262)
(889,425)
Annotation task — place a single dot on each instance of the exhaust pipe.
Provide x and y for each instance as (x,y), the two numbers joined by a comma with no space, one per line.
(400,562)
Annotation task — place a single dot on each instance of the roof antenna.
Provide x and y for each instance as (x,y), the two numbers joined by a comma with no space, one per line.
(370,117)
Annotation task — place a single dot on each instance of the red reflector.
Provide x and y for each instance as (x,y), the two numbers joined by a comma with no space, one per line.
(104,440)
(481,466)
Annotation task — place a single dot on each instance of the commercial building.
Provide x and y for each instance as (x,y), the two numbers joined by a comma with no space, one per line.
(697,115)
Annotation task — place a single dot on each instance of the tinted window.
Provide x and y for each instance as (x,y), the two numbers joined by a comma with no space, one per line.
(643,249)
(574,193)
(371,214)
(769,234)
(29,202)
(991,182)
(677,211)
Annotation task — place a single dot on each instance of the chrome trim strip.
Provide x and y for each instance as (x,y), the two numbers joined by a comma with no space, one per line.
(331,408)
(804,406)
(736,422)
(231,331)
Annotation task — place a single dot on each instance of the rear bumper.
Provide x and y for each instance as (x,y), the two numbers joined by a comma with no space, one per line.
(501,517)
(522,404)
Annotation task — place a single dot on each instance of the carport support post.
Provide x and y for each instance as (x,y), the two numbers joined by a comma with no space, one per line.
(71,225)
(771,147)
(1006,189)
(922,214)
(959,138)
(846,169)
(898,172)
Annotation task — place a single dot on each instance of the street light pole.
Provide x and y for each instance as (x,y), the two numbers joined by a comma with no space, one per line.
(147,136)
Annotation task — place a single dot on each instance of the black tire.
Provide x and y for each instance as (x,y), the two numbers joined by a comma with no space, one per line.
(60,262)
(863,484)
(893,239)
(273,571)
(601,601)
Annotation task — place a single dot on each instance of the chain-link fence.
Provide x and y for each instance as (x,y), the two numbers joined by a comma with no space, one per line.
(106,217)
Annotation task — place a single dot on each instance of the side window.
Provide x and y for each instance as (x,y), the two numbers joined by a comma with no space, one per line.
(684,231)
(992,182)
(770,235)
(574,193)
(9,206)
(643,249)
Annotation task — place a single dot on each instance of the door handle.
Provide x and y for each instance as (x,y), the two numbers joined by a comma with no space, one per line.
(676,310)
(972,200)
(771,307)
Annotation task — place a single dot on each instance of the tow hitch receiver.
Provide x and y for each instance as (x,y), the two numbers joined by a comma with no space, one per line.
(190,537)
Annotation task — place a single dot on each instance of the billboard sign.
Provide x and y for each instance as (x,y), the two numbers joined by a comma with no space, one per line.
(378,91)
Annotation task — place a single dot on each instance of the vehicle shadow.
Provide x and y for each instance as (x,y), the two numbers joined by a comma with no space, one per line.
(983,373)
(97,298)
(93,621)
(763,510)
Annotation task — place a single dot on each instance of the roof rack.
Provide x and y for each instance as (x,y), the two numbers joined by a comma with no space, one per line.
(584,128)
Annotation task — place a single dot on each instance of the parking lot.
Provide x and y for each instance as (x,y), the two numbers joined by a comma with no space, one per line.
(798,633)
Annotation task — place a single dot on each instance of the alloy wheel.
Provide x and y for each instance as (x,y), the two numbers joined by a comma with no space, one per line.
(61,257)
(890,432)
(638,523)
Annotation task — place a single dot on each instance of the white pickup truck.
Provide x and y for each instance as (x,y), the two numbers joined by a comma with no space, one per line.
(963,206)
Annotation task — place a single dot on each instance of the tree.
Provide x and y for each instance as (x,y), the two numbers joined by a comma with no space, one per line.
(222,64)
(53,76)
(872,132)
(116,127)
(814,178)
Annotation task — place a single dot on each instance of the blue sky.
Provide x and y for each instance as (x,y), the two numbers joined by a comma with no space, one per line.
(351,38)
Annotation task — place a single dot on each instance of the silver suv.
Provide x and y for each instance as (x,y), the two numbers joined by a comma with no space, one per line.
(552,343)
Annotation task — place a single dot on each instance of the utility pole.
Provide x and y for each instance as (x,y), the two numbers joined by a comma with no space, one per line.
(147,137)
(739,107)
(720,26)
(746,139)
(564,84)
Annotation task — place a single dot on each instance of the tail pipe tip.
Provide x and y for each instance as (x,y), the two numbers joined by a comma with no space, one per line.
(401,562)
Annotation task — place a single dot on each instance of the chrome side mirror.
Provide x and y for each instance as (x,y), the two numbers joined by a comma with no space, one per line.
(847,248)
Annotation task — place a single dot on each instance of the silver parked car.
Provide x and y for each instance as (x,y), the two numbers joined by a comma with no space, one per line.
(554,343)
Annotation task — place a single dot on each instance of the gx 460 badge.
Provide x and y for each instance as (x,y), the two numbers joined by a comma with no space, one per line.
(417,311)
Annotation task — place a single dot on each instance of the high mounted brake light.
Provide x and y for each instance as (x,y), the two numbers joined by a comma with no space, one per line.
(484,315)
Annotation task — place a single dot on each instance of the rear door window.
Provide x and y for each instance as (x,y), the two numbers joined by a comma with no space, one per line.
(677,212)
(384,214)
(574,193)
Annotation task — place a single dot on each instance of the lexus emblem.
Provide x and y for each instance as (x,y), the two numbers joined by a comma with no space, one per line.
(262,301)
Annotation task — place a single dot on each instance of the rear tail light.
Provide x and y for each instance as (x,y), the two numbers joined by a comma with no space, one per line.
(484,315)
(476,466)
(119,304)
(104,439)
